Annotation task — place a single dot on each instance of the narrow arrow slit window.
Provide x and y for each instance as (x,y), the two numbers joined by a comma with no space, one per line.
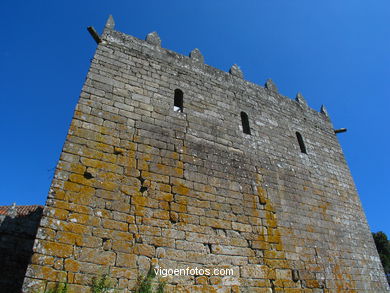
(301,143)
(245,123)
(178,102)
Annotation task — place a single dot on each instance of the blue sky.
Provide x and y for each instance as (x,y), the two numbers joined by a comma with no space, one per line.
(335,52)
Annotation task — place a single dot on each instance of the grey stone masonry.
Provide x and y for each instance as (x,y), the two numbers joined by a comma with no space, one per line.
(170,163)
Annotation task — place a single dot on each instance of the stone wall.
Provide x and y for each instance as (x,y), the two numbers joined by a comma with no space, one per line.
(141,183)
(18,227)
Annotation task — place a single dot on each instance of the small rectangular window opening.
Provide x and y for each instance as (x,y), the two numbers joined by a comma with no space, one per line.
(245,123)
(301,143)
(178,102)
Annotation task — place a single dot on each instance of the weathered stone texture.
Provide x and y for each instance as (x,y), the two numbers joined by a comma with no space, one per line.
(141,184)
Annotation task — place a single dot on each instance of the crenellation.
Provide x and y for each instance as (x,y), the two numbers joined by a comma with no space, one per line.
(135,43)
(196,55)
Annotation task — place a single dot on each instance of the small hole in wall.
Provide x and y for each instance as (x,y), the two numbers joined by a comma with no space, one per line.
(87,175)
(143,189)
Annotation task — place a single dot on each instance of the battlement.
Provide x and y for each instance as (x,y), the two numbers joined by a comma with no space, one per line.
(195,62)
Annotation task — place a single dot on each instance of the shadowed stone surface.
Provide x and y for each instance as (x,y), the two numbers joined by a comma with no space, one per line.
(18,227)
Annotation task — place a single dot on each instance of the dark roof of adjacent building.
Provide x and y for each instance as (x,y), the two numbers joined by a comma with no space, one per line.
(22,210)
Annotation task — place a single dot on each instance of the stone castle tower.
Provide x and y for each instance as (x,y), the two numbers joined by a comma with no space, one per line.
(172,164)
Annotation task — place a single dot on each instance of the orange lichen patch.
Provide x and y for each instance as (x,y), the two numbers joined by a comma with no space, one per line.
(70,186)
(101,146)
(107,185)
(123,273)
(58,193)
(122,246)
(130,190)
(96,256)
(291,290)
(87,192)
(109,176)
(183,218)
(119,235)
(174,155)
(41,259)
(123,160)
(45,273)
(144,249)
(90,241)
(83,197)
(77,178)
(177,172)
(161,242)
(272,254)
(179,164)
(57,213)
(310,228)
(324,208)
(132,172)
(270,219)
(72,265)
(139,203)
(202,280)
(181,190)
(76,228)
(241,227)
(318,192)
(160,186)
(72,207)
(155,177)
(139,200)
(114,225)
(167,170)
(69,238)
(77,168)
(109,157)
(269,240)
(161,214)
(312,284)
(55,249)
(261,194)
(129,145)
(83,219)
(216,223)
(142,165)
(277,263)
(197,289)
(145,157)
(90,153)
(101,165)
(343,280)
